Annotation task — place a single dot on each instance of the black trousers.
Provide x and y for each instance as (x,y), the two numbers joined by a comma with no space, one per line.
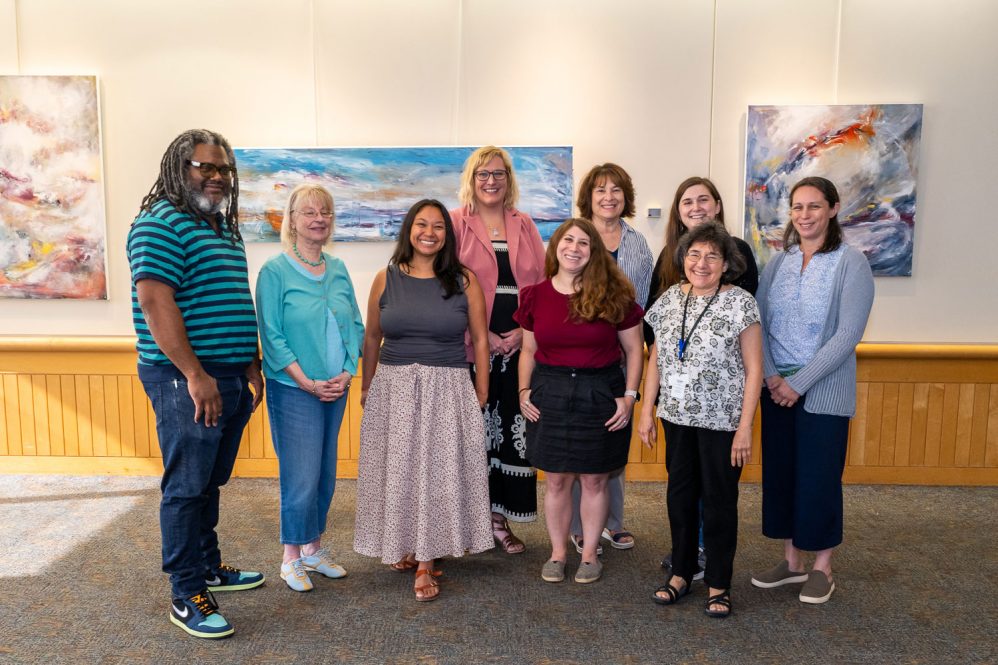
(803,457)
(699,465)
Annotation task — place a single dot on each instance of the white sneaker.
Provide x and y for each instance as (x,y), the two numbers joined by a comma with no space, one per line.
(321,562)
(294,574)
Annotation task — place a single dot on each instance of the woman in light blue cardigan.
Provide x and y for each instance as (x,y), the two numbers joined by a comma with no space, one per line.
(311,332)
(814,299)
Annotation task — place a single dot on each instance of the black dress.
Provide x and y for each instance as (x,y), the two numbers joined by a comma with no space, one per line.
(512,479)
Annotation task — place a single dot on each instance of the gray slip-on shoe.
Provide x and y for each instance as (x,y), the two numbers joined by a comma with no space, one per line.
(553,571)
(818,588)
(588,572)
(778,575)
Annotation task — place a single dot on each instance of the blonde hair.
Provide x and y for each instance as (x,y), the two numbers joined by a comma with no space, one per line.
(300,195)
(474,162)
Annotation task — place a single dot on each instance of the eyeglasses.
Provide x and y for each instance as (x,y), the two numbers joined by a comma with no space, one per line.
(483,176)
(710,257)
(208,170)
(308,213)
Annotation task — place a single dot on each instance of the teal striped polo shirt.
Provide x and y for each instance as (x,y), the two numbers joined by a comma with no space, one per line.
(209,276)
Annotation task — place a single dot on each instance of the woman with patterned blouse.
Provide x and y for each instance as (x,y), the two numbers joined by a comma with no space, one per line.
(706,365)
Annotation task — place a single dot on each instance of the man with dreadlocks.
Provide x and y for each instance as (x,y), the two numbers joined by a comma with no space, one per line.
(198,357)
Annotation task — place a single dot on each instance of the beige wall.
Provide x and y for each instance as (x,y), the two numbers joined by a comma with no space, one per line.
(8,36)
(660,86)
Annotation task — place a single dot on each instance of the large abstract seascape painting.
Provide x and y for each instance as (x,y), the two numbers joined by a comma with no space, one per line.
(374,187)
(870,152)
(52,221)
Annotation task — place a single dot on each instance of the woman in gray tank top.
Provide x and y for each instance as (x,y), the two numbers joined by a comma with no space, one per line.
(422,489)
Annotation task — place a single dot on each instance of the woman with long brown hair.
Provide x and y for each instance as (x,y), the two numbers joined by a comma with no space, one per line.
(696,201)
(606,198)
(576,400)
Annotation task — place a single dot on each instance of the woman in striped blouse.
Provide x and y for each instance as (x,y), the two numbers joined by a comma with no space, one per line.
(606,197)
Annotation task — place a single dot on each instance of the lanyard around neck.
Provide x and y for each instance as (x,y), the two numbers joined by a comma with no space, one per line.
(683,337)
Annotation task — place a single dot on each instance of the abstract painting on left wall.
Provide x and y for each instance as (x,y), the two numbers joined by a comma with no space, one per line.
(53,226)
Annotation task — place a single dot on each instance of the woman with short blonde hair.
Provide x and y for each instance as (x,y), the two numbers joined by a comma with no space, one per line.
(311,332)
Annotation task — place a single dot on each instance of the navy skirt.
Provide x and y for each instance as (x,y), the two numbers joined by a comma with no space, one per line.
(571,435)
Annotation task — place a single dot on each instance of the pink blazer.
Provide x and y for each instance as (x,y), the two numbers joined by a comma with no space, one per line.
(474,248)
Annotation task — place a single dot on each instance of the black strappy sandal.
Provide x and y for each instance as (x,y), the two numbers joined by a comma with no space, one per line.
(724,600)
(674,594)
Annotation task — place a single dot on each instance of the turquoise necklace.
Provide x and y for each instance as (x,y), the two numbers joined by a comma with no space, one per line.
(316,264)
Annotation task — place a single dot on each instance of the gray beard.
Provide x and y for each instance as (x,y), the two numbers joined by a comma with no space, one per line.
(203,204)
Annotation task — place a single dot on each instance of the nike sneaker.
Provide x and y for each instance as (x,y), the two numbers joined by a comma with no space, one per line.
(199,616)
(227,578)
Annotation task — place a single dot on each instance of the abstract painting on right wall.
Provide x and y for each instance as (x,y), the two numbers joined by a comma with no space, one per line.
(870,152)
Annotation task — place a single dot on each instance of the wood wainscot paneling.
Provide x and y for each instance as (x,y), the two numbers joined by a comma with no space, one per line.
(926,414)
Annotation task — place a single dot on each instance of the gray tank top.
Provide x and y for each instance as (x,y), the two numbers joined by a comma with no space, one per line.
(419,325)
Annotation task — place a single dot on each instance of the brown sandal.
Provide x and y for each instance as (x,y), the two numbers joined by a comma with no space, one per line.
(423,593)
(509,543)
(405,565)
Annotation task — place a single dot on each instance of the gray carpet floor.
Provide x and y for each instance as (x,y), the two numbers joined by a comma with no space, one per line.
(80,583)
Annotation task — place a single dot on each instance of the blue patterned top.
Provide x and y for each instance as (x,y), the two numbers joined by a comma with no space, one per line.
(800,307)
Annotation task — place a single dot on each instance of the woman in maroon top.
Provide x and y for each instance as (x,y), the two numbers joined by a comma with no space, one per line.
(576,402)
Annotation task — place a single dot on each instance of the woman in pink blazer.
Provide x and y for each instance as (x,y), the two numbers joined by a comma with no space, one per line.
(502,246)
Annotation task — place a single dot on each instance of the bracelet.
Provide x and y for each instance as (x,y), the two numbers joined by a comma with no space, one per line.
(313,388)
(631,393)
(521,390)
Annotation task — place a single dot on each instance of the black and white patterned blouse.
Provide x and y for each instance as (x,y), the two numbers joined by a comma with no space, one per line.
(712,396)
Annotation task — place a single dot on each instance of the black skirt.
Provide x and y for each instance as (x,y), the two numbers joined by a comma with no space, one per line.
(571,435)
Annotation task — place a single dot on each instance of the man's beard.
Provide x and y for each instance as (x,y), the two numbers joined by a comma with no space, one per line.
(202,203)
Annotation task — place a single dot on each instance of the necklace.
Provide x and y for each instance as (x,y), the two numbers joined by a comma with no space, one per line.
(316,264)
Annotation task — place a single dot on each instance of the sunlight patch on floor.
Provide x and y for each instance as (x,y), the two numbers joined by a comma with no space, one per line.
(45,518)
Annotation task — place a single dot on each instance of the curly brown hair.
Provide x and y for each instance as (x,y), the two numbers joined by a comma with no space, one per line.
(604,291)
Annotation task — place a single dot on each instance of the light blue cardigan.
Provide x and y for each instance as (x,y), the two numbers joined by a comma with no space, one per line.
(280,288)
(829,378)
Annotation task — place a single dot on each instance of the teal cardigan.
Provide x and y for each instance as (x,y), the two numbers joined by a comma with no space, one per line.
(293,320)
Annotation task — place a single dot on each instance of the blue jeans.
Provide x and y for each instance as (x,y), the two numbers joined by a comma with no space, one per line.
(197,460)
(304,431)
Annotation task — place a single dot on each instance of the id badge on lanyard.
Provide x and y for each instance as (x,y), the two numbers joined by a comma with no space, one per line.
(678,384)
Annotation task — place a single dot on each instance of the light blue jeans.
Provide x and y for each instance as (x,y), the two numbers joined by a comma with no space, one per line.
(304,431)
